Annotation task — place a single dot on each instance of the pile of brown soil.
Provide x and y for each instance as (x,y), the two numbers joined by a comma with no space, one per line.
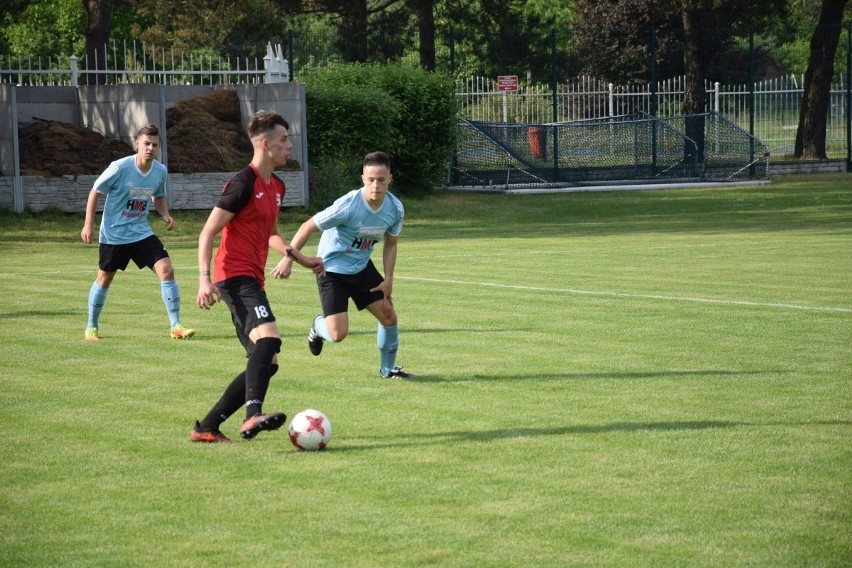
(205,134)
(54,149)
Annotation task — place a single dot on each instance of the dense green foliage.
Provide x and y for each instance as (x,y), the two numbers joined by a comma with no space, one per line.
(341,130)
(347,118)
(481,37)
(616,37)
(50,28)
(792,38)
(408,113)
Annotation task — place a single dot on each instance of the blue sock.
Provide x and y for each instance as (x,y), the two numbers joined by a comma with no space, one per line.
(388,341)
(322,329)
(171,298)
(97,298)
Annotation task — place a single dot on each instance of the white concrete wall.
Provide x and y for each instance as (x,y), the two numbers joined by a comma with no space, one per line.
(117,111)
(186,191)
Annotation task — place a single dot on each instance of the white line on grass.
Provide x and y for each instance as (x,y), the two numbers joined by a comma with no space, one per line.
(627,295)
(533,288)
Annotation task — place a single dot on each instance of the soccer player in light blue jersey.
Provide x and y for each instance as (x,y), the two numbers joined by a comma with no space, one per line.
(131,185)
(351,227)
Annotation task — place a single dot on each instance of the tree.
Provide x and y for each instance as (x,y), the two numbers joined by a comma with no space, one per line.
(424,11)
(691,37)
(51,28)
(499,37)
(190,25)
(352,21)
(611,40)
(98,13)
(693,97)
(810,136)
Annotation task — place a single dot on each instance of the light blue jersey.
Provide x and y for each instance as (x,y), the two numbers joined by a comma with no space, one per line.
(129,195)
(351,228)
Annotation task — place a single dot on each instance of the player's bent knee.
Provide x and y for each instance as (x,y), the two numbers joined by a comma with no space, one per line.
(337,336)
(388,320)
(268,348)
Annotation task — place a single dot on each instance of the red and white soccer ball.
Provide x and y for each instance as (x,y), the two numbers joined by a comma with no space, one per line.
(310,430)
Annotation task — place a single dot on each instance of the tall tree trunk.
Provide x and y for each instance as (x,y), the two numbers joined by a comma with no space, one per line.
(425,11)
(353,29)
(693,101)
(813,115)
(98,13)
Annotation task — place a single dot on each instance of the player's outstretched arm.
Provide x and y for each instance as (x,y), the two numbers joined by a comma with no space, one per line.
(291,252)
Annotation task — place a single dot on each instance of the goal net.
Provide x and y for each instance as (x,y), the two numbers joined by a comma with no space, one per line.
(629,149)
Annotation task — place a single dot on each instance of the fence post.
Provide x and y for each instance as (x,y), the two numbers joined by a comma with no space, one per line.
(267,64)
(282,64)
(751,100)
(74,77)
(848,97)
(716,97)
(164,142)
(555,105)
(716,107)
(17,183)
(611,100)
(654,101)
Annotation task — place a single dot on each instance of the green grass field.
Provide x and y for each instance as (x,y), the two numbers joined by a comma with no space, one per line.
(640,378)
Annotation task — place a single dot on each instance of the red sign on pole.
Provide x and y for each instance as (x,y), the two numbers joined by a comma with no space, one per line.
(507,83)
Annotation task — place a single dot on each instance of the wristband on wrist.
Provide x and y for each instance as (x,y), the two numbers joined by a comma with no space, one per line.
(204,273)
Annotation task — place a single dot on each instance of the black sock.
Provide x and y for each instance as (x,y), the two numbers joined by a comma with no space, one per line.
(231,401)
(258,373)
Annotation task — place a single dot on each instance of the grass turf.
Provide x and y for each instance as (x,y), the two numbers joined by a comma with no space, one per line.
(654,378)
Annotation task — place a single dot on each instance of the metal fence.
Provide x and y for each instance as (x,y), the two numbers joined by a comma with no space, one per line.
(140,63)
(774,120)
(776,105)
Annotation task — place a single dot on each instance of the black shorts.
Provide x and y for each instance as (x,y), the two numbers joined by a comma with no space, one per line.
(145,254)
(336,289)
(248,305)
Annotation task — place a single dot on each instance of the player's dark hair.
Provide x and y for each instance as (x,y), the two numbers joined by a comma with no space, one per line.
(148,130)
(264,121)
(376,159)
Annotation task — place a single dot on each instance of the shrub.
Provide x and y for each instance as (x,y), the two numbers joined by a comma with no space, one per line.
(330,177)
(343,121)
(409,113)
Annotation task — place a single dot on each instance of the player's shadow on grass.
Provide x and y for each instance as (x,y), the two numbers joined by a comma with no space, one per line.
(37,314)
(662,374)
(411,440)
(443,330)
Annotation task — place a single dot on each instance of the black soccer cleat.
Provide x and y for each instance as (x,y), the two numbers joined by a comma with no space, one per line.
(260,422)
(314,339)
(398,373)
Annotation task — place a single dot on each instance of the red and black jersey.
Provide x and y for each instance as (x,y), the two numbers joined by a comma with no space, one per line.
(244,247)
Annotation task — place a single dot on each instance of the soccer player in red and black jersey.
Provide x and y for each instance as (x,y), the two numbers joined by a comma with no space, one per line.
(247,216)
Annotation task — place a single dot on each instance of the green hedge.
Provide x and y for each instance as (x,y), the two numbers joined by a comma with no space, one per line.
(354,108)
